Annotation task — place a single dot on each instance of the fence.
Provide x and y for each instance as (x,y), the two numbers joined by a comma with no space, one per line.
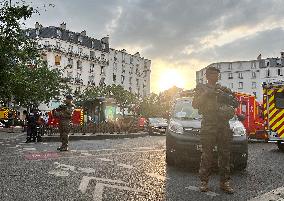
(124,126)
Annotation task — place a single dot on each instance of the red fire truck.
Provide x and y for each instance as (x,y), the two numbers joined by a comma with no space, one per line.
(76,119)
(252,110)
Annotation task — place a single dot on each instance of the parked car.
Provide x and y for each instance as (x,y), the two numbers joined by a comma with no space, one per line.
(157,126)
(183,137)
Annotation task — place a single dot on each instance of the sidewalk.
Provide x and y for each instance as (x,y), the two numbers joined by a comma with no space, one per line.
(98,136)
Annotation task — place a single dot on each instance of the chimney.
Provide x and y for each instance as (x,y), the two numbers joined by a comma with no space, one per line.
(63,25)
(37,25)
(282,55)
(83,33)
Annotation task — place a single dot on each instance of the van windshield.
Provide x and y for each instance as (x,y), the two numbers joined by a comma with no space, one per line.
(183,110)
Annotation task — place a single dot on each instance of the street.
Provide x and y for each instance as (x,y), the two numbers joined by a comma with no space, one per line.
(123,169)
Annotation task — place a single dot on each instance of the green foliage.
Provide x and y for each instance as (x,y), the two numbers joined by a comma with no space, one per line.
(25,78)
(158,105)
(124,98)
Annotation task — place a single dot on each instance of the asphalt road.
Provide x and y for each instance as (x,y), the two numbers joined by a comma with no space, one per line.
(123,169)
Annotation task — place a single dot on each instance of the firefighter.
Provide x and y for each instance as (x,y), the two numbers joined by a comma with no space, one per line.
(217,106)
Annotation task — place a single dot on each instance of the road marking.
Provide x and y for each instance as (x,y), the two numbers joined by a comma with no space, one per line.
(86,154)
(210,193)
(86,180)
(99,188)
(274,195)
(157,176)
(59,173)
(105,159)
(29,149)
(87,170)
(66,167)
(41,155)
(125,166)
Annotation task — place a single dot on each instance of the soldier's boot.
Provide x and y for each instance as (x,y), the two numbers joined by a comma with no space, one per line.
(226,187)
(63,149)
(204,186)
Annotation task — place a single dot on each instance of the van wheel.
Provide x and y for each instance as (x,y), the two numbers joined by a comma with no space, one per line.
(280,146)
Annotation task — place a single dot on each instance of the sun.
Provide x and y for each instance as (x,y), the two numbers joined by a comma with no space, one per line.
(169,78)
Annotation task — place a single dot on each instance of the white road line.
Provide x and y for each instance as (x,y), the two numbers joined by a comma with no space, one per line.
(86,154)
(87,170)
(85,182)
(105,159)
(125,166)
(157,176)
(275,195)
(29,149)
(210,193)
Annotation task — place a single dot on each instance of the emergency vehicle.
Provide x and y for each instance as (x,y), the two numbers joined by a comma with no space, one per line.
(252,110)
(76,119)
(273,103)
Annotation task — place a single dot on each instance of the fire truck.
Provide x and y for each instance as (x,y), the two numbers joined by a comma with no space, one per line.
(76,119)
(273,103)
(252,110)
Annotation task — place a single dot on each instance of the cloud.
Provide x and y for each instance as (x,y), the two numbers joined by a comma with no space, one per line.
(184,34)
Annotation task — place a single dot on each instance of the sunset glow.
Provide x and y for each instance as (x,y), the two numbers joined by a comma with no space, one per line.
(169,78)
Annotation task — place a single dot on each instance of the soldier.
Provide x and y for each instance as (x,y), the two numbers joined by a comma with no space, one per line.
(217,106)
(64,113)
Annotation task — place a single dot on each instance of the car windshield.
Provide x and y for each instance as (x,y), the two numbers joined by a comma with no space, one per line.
(183,110)
(157,120)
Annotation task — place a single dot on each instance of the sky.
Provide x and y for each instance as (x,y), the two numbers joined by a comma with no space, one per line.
(178,36)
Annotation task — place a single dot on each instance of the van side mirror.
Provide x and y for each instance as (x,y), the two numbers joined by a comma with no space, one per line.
(241,117)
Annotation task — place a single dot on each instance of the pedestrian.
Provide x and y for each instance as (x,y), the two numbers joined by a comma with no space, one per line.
(64,113)
(217,106)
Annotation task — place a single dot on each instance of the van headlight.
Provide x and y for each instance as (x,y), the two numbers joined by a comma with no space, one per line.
(175,127)
(239,131)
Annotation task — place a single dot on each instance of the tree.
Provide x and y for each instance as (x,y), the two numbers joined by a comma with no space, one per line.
(25,77)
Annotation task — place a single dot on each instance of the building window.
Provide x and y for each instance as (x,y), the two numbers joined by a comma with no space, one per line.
(253,64)
(57,60)
(79,64)
(114,78)
(102,82)
(230,66)
(70,49)
(231,85)
(69,74)
(92,54)
(58,33)
(80,39)
(102,70)
(137,82)
(240,75)
(230,76)
(131,60)
(58,44)
(279,72)
(253,85)
(253,74)
(268,73)
(37,32)
(122,79)
(93,44)
(241,85)
(80,50)
(70,62)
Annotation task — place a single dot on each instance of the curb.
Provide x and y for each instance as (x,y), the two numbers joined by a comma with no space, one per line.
(94,137)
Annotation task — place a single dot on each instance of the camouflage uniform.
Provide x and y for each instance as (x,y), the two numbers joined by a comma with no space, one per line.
(215,130)
(64,113)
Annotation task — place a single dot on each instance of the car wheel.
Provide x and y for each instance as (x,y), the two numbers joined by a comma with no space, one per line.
(280,146)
